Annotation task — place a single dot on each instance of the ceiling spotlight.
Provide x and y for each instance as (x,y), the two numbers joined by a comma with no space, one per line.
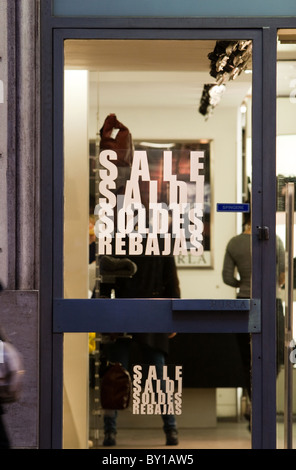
(211,96)
(216,93)
(228,60)
(243,108)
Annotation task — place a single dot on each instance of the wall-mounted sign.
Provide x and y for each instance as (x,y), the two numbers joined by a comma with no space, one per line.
(233,207)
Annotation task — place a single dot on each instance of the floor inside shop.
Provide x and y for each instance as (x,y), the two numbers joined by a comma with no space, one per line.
(199,426)
(226,435)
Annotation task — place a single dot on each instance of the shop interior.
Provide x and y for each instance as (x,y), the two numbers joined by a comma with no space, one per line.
(166,93)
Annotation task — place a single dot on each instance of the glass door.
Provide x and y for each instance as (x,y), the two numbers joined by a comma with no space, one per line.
(286,86)
(156,209)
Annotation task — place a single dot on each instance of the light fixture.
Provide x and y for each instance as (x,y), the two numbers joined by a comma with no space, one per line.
(156,145)
(228,60)
(211,96)
(243,108)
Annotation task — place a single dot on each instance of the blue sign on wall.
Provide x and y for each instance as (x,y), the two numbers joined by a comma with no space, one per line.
(174,8)
(233,207)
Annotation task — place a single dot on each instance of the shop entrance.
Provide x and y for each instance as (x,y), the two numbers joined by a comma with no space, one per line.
(192,102)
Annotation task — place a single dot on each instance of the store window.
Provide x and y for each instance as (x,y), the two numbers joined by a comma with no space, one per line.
(166,204)
(286,171)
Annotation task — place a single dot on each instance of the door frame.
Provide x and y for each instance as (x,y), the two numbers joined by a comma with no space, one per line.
(256,316)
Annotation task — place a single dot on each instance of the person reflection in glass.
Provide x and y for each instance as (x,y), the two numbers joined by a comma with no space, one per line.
(238,260)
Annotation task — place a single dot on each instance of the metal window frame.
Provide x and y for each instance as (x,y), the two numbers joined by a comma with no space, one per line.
(53,32)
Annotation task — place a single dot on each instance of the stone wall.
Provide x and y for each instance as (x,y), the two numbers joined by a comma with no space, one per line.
(19,208)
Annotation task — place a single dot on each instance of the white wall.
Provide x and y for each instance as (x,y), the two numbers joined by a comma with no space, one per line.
(76,195)
(286,115)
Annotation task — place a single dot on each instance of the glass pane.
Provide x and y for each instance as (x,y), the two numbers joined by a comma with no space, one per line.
(286,173)
(206,416)
(145,223)
(174,109)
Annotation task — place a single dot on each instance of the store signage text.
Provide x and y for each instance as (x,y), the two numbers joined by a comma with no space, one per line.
(157,394)
(130,224)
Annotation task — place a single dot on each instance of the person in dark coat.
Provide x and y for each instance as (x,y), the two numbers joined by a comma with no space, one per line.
(155,277)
